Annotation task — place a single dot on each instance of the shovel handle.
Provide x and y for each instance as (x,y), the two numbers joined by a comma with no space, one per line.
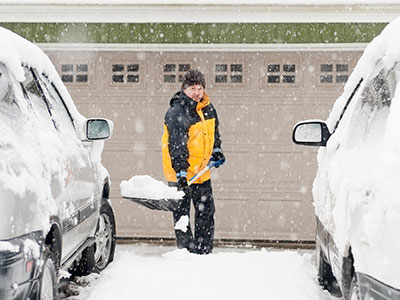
(212,163)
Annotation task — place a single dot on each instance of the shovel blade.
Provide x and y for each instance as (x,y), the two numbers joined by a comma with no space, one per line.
(159,204)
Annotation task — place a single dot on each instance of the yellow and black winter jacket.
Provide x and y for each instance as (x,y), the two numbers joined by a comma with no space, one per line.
(190,135)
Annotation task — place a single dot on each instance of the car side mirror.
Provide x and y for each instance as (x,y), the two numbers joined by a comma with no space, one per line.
(98,129)
(311,133)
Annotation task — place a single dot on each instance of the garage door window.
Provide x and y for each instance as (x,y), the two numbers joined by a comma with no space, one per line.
(228,73)
(125,73)
(75,73)
(281,73)
(333,73)
(173,72)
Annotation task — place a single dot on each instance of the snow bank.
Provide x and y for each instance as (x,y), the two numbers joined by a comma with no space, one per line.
(357,189)
(179,275)
(144,186)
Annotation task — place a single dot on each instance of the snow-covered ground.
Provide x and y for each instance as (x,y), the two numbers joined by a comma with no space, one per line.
(158,272)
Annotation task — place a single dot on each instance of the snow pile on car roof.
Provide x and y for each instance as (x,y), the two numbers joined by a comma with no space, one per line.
(17,51)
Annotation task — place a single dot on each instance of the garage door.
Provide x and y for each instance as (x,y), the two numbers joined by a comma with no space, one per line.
(263,192)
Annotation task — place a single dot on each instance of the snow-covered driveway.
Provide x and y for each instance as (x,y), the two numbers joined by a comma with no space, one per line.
(153,273)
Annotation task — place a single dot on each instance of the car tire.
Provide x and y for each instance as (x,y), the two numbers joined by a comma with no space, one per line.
(354,293)
(96,257)
(325,275)
(104,244)
(48,278)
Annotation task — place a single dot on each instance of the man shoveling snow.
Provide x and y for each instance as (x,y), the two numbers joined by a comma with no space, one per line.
(190,140)
(191,146)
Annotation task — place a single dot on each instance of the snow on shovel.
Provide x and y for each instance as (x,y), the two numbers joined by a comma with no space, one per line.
(154,194)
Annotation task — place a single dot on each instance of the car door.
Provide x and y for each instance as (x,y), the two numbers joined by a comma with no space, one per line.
(76,196)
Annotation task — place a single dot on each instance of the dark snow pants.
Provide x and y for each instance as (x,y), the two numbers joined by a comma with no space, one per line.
(203,202)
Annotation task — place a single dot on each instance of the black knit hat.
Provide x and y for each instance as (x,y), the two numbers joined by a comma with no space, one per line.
(193,77)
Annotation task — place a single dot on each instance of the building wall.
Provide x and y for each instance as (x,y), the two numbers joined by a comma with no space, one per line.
(263,192)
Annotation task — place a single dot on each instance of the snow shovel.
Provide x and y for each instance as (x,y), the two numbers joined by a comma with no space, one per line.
(171,204)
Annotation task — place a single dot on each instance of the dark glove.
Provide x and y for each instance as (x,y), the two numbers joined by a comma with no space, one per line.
(181,182)
(218,155)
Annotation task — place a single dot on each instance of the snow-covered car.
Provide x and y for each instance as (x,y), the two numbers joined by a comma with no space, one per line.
(357,187)
(55,215)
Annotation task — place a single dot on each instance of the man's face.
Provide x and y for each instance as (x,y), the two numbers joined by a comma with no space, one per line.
(195,92)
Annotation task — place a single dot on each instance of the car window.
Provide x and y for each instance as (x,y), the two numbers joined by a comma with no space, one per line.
(379,90)
(9,109)
(60,113)
(6,91)
(369,118)
(35,96)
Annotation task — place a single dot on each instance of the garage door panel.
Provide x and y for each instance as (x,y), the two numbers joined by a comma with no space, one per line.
(234,218)
(155,119)
(238,126)
(124,164)
(239,166)
(154,165)
(131,163)
(235,118)
(275,120)
(283,219)
(277,167)
(289,191)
